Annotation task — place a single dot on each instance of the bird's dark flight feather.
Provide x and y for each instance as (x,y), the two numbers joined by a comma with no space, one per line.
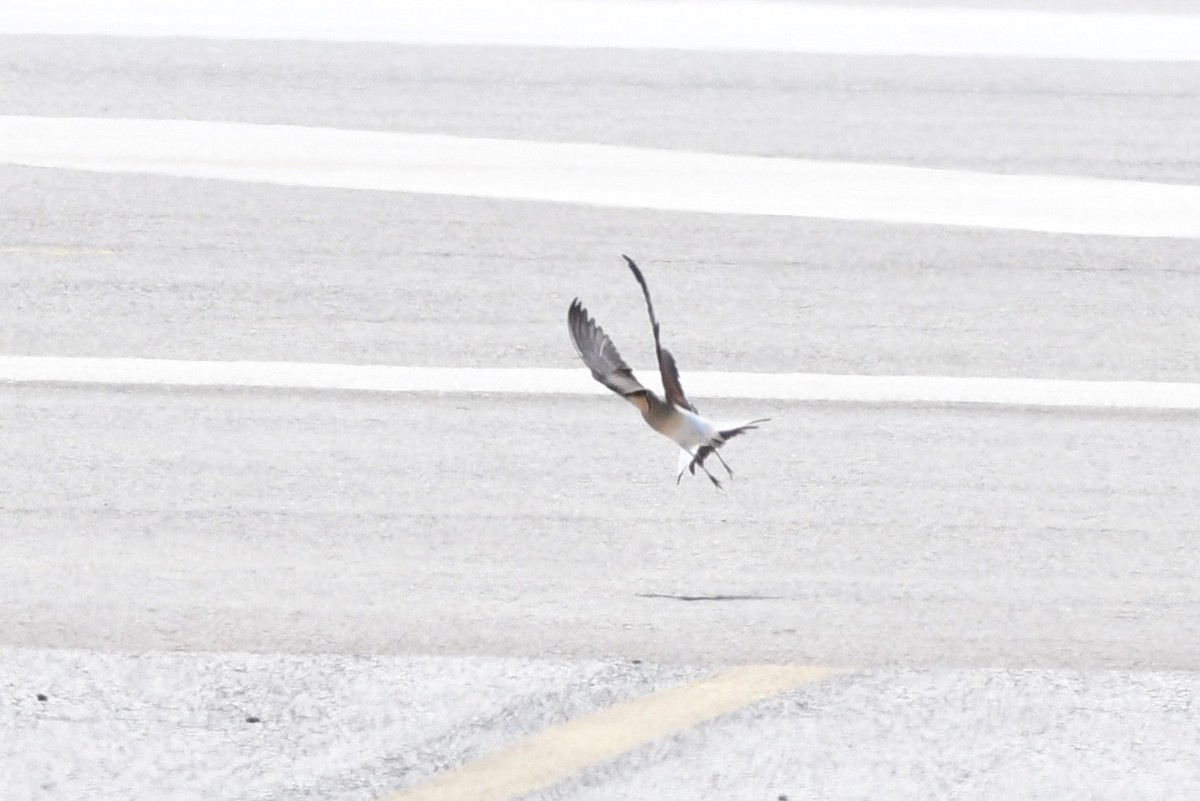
(666,362)
(600,354)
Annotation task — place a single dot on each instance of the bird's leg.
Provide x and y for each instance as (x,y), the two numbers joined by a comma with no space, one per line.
(702,454)
(711,477)
(722,461)
(692,466)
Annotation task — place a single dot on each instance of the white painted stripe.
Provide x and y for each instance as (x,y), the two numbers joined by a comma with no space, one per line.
(752,25)
(577,381)
(602,175)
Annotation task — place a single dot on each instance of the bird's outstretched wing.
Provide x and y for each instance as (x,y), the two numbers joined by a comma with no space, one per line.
(601,356)
(666,362)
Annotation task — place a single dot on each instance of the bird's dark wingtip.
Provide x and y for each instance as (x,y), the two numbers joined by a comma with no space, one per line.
(637,272)
(577,322)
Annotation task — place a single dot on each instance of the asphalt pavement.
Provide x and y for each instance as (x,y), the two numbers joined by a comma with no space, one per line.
(394,587)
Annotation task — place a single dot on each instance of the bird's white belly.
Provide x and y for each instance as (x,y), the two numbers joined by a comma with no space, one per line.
(688,430)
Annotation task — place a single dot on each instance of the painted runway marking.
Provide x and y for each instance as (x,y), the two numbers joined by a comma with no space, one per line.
(1021,392)
(746,25)
(562,751)
(602,175)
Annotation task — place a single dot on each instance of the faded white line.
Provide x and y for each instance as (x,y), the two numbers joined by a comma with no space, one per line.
(751,25)
(1028,392)
(602,175)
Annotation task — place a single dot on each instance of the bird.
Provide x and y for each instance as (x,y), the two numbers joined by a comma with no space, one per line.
(675,417)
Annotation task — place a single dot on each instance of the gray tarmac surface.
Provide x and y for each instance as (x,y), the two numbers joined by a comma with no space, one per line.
(220,725)
(118,265)
(928,734)
(353,524)
(423,579)
(1112,120)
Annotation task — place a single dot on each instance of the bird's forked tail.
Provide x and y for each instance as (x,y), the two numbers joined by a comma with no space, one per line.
(740,428)
(724,434)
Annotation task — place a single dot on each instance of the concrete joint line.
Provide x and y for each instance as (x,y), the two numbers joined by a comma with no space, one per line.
(556,753)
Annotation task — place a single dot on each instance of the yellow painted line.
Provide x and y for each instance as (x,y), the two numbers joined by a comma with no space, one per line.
(559,752)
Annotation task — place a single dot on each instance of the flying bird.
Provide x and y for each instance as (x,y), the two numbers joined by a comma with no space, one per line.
(675,417)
